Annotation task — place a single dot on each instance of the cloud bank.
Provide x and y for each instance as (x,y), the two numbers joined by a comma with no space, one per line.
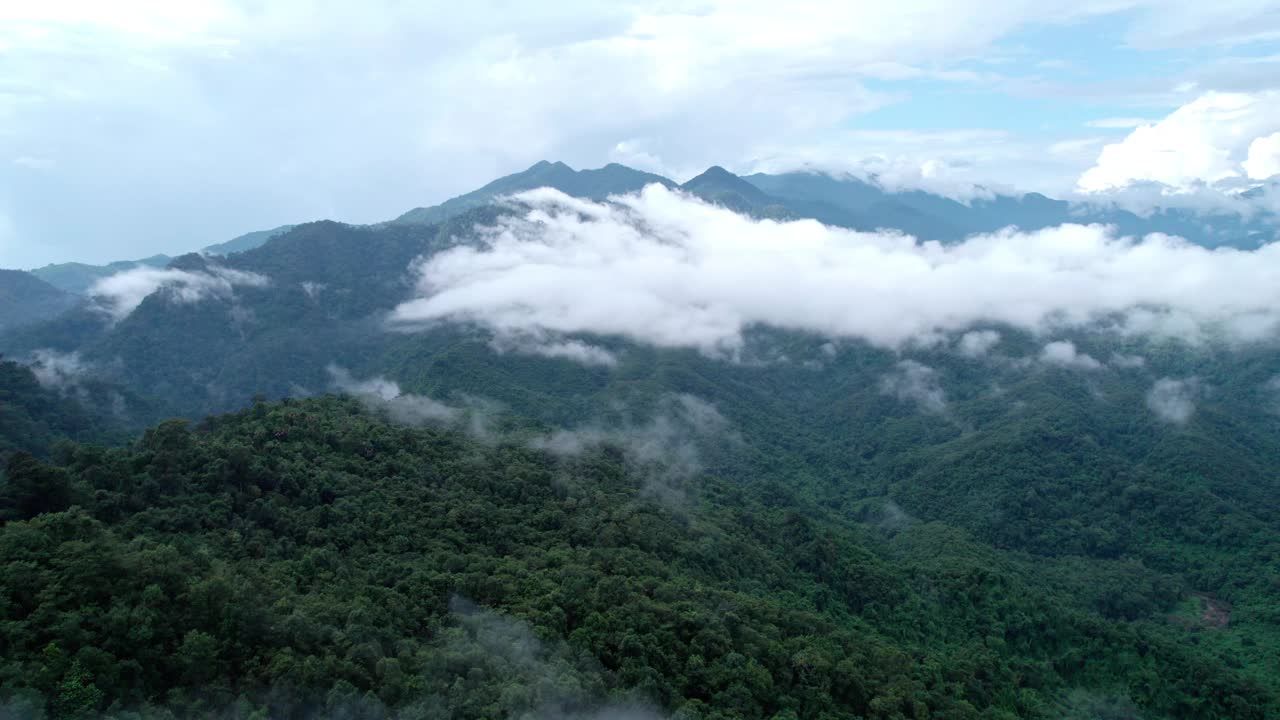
(120,294)
(663,268)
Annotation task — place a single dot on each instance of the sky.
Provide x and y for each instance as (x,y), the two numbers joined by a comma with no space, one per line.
(143,126)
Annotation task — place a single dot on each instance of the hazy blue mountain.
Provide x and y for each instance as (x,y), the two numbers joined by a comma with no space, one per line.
(26,299)
(595,184)
(934,217)
(248,241)
(77,277)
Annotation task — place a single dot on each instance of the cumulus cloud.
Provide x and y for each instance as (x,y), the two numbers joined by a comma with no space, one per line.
(1263,160)
(691,81)
(667,269)
(976,343)
(1063,353)
(120,294)
(913,382)
(1215,138)
(1173,400)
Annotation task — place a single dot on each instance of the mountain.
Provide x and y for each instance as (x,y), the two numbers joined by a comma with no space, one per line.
(934,217)
(806,529)
(311,559)
(26,300)
(77,278)
(248,241)
(597,184)
(721,187)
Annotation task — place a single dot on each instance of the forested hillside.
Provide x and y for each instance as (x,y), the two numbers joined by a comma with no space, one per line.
(307,559)
(33,417)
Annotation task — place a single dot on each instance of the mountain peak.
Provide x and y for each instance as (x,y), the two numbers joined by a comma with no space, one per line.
(717,179)
(544,165)
(715,172)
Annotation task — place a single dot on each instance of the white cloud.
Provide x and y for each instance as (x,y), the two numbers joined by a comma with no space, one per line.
(977,343)
(1117,123)
(668,447)
(1173,400)
(384,395)
(1263,160)
(1063,353)
(913,382)
(120,294)
(57,370)
(567,349)
(111,94)
(666,269)
(1206,141)
(313,289)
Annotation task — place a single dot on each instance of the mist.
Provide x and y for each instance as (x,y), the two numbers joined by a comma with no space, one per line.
(120,294)
(916,383)
(1173,400)
(668,447)
(57,370)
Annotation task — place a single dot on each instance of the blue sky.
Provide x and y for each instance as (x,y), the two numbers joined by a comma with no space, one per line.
(139,126)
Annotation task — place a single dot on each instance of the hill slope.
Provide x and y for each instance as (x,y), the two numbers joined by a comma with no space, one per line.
(27,300)
(307,558)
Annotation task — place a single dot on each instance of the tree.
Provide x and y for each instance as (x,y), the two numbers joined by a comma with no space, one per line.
(33,488)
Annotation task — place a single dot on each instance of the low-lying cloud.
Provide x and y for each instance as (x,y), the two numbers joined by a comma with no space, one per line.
(668,446)
(1063,353)
(57,370)
(977,343)
(667,269)
(120,294)
(384,395)
(1174,400)
(550,679)
(564,348)
(913,382)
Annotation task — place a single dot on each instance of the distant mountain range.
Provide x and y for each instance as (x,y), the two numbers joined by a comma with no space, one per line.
(838,201)
(858,204)
(77,278)
(26,299)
